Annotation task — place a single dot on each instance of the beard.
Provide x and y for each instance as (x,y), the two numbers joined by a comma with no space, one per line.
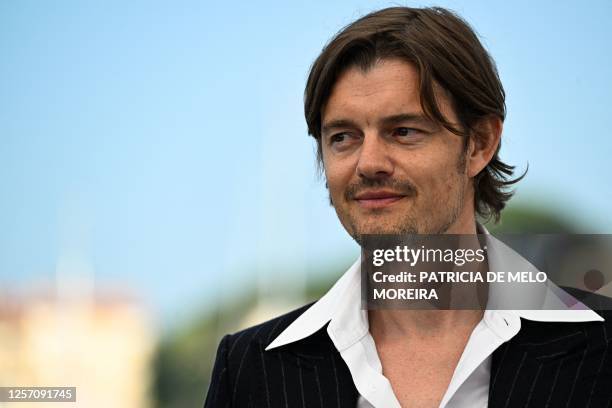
(442,212)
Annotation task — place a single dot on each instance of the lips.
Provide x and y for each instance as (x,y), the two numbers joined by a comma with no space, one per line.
(378,199)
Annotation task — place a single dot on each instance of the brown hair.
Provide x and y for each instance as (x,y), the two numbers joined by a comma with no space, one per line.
(446,51)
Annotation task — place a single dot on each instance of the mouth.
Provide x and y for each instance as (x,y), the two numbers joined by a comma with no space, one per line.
(378,199)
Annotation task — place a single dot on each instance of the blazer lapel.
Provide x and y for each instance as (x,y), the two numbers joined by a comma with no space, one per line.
(537,365)
(315,373)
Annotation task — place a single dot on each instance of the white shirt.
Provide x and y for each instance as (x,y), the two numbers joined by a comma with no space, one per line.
(349,331)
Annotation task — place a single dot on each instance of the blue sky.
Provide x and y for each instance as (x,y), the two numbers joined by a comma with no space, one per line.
(161,146)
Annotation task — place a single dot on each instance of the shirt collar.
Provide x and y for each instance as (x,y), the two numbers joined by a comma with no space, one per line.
(342,306)
(545,302)
(321,312)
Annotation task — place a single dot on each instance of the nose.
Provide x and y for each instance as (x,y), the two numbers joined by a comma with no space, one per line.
(374,160)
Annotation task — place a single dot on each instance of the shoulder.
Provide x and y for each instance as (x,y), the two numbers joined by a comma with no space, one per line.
(602,305)
(594,331)
(262,334)
(239,363)
(596,302)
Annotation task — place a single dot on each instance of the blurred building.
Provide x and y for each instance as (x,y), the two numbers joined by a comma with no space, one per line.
(100,343)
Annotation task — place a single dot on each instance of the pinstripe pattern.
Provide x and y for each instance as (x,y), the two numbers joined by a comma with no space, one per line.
(601,364)
(577,376)
(297,360)
(265,375)
(501,364)
(319,391)
(336,380)
(231,350)
(514,380)
(602,377)
(280,358)
(545,364)
(552,390)
(246,350)
(533,385)
(550,364)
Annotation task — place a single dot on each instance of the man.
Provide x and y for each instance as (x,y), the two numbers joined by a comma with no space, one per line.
(407,109)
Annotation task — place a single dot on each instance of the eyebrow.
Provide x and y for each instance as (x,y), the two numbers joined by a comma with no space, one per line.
(406,117)
(386,121)
(337,124)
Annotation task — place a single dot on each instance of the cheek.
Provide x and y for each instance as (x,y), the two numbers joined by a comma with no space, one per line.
(338,177)
(436,178)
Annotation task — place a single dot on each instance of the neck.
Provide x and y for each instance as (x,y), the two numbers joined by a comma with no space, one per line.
(390,324)
(464,225)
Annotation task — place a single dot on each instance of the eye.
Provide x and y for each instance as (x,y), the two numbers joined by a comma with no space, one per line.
(337,138)
(343,141)
(405,132)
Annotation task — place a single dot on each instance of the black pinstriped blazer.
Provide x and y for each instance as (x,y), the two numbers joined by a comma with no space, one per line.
(547,364)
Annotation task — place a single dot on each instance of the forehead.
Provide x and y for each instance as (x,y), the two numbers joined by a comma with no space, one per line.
(388,87)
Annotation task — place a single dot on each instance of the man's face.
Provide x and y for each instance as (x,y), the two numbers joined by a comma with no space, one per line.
(389,169)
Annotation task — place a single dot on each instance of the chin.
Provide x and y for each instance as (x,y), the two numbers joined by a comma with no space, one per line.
(387,229)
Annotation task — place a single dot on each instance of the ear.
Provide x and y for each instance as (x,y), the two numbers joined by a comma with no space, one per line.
(484,141)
